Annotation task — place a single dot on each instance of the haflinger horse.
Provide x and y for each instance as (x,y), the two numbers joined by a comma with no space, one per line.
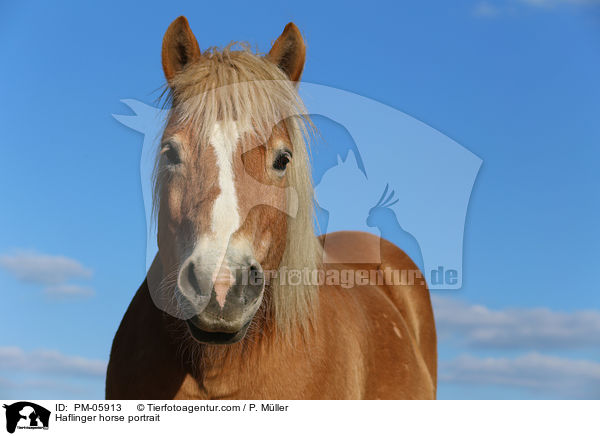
(234,203)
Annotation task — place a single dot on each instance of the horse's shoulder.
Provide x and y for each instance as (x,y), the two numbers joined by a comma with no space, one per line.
(370,245)
(350,236)
(410,296)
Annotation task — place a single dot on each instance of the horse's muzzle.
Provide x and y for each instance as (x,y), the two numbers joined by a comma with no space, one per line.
(229,311)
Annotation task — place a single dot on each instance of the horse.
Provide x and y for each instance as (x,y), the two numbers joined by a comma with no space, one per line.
(238,303)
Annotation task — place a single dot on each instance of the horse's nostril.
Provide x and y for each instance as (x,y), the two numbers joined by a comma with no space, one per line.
(256,274)
(192,277)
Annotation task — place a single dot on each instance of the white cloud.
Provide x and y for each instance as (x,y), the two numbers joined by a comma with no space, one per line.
(49,361)
(549,375)
(533,329)
(66,291)
(486,9)
(51,271)
(32,267)
(10,388)
(552,3)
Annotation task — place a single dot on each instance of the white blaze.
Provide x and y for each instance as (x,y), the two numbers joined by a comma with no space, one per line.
(225,214)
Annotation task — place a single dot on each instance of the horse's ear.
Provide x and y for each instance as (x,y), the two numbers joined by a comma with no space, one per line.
(289,52)
(179,47)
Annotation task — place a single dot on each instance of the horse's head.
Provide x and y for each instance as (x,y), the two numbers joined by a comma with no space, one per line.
(381,212)
(227,176)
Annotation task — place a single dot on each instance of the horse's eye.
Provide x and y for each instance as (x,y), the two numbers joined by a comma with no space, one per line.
(282,160)
(171,153)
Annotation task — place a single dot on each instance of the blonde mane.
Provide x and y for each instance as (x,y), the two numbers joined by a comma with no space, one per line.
(238,84)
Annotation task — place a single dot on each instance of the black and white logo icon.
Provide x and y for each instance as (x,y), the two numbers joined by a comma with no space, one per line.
(26,415)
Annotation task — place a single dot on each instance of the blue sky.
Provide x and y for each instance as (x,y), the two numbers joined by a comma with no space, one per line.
(515,82)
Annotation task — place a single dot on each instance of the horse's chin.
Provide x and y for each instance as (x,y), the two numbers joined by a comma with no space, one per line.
(216,337)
